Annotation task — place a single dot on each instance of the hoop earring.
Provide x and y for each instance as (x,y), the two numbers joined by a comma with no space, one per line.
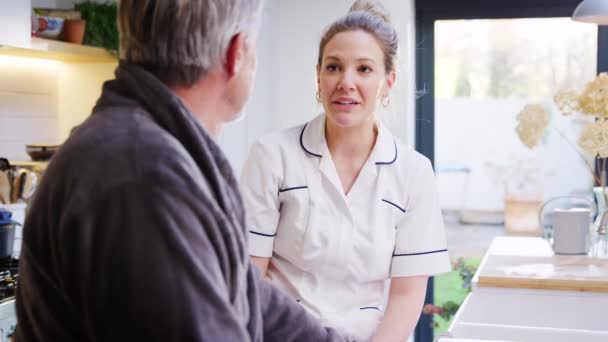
(318,97)
(386,102)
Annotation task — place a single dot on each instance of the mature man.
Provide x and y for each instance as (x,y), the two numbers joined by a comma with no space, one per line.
(137,230)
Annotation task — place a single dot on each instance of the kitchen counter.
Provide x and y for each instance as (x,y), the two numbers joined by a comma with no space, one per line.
(523,292)
(529,263)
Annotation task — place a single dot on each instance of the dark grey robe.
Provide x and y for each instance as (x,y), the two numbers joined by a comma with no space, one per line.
(137,233)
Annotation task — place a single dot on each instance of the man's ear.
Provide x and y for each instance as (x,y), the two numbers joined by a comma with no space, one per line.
(235,55)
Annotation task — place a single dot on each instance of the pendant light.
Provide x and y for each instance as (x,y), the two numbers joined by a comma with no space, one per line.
(592,11)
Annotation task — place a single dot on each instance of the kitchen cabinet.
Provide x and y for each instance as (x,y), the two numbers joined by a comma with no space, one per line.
(522,292)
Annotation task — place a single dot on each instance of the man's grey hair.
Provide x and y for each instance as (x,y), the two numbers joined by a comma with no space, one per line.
(180,41)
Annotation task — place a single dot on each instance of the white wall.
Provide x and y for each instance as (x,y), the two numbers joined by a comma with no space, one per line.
(285,88)
(15,23)
(28,105)
(44,3)
(83,79)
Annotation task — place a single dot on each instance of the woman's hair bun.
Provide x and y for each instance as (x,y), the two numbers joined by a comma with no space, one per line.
(372,7)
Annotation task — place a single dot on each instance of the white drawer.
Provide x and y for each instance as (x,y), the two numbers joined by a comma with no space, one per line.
(532,315)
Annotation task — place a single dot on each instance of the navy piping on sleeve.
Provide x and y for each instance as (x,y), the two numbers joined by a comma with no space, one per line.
(302,143)
(394,205)
(431,252)
(392,161)
(262,234)
(573,253)
(293,188)
(370,308)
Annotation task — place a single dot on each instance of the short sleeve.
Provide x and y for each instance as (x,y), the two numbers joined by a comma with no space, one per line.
(420,245)
(260,190)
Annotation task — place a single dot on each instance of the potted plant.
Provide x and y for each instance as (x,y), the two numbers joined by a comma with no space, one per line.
(101,29)
(73,30)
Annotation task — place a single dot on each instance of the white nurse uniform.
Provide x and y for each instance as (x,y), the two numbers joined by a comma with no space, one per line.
(334,252)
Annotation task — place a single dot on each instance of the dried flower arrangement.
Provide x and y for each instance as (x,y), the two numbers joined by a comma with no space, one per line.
(533,123)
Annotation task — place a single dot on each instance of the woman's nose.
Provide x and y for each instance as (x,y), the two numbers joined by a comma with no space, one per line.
(347,82)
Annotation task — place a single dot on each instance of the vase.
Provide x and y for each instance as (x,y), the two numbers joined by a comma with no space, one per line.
(599,193)
(521,215)
(73,31)
(599,248)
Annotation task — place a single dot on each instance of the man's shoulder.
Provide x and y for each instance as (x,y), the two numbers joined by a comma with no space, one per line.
(119,145)
(122,129)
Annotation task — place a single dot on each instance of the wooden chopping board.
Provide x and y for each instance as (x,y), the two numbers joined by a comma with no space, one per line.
(567,273)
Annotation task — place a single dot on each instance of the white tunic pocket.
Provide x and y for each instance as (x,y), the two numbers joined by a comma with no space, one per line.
(300,235)
(293,221)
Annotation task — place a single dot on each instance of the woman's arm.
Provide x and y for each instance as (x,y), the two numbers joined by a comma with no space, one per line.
(262,264)
(405,301)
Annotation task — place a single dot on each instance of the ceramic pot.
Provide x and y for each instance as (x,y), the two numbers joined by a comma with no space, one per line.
(73,31)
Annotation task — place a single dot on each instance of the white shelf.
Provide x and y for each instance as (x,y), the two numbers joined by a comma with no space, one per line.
(61,51)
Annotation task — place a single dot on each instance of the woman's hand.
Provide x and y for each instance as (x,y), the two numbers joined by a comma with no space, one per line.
(405,301)
(262,264)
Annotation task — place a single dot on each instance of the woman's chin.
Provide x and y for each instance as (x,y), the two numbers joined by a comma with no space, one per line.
(343,119)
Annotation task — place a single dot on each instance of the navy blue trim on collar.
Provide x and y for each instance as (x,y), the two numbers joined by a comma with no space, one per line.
(421,253)
(262,234)
(370,308)
(293,188)
(302,143)
(392,161)
(394,205)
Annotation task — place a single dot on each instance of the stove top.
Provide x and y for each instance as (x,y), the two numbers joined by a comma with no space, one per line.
(9,277)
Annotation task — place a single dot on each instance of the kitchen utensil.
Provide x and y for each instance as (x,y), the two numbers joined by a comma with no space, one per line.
(571,231)
(7,233)
(5,188)
(567,224)
(557,272)
(17,185)
(29,185)
(24,185)
(4,164)
(41,152)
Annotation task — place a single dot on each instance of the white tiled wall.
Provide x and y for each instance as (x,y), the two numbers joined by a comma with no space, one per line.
(28,105)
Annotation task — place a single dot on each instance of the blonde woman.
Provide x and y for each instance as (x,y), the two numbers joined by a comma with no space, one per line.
(337,206)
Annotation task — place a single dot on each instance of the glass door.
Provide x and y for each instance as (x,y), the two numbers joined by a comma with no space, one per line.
(490,183)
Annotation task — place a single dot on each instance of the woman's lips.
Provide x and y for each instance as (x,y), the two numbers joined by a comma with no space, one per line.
(345,104)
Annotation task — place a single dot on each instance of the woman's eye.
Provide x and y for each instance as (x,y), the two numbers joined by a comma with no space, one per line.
(365,69)
(331,67)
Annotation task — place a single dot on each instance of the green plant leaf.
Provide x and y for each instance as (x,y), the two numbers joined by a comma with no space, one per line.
(101,29)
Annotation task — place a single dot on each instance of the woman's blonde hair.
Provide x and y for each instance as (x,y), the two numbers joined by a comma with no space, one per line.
(370,17)
(180,41)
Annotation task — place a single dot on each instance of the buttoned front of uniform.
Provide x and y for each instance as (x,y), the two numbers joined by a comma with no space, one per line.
(333,252)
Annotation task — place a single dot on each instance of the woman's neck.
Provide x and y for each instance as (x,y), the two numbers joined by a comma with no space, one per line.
(351,142)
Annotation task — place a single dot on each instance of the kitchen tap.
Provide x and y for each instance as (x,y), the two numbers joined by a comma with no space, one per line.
(601,245)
